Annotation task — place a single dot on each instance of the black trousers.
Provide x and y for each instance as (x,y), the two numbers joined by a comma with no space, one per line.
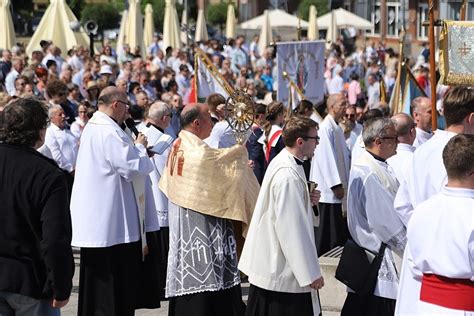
(219,303)
(370,305)
(270,303)
(114,281)
(332,230)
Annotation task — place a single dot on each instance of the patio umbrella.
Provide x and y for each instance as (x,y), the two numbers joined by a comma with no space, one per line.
(331,35)
(171,30)
(230,22)
(55,26)
(344,19)
(121,36)
(134,31)
(201,28)
(266,36)
(149,29)
(184,21)
(313,32)
(7,35)
(278,17)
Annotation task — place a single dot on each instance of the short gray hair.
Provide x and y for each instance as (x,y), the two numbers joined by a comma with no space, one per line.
(375,128)
(158,110)
(52,109)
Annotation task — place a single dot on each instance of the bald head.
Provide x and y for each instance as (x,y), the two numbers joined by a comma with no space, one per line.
(195,118)
(114,103)
(405,128)
(336,105)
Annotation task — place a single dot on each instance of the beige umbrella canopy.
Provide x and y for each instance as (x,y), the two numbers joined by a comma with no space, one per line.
(7,34)
(201,28)
(184,21)
(134,31)
(171,31)
(122,31)
(55,26)
(345,19)
(266,36)
(331,35)
(313,32)
(230,22)
(149,29)
(278,17)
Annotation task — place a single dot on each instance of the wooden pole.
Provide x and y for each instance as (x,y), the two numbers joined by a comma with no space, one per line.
(463,15)
(431,37)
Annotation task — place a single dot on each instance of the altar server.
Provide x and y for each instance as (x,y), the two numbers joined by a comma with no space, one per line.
(371,218)
(406,134)
(279,254)
(111,208)
(427,175)
(438,270)
(330,170)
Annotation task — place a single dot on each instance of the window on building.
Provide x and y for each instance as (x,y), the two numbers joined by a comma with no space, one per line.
(376,17)
(454,10)
(422,15)
(394,19)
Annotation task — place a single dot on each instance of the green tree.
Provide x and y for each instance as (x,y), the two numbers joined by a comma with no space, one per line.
(321,6)
(105,14)
(217,14)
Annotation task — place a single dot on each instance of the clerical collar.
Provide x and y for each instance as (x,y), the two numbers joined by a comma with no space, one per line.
(377,157)
(155,126)
(122,126)
(298,161)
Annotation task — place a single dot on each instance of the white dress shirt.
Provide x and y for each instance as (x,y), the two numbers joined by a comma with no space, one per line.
(63,146)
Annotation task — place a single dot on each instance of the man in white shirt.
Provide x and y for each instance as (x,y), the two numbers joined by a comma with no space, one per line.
(54,53)
(183,80)
(222,135)
(17,67)
(421,113)
(111,209)
(330,170)
(371,219)
(373,92)
(280,241)
(406,132)
(336,84)
(438,271)
(427,175)
(60,141)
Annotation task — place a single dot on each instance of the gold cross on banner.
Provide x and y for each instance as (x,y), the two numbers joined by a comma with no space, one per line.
(464,50)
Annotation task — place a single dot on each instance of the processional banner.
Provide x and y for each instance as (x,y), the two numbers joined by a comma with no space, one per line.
(457,53)
(303,62)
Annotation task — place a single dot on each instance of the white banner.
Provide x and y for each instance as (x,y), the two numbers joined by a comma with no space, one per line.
(208,83)
(304,63)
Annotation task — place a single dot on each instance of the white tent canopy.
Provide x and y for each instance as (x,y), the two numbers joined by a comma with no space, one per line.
(344,19)
(278,18)
(54,26)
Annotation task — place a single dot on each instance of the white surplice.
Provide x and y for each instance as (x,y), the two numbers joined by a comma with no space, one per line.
(222,136)
(279,253)
(401,161)
(104,209)
(440,241)
(331,162)
(63,146)
(372,219)
(421,137)
(425,177)
(358,149)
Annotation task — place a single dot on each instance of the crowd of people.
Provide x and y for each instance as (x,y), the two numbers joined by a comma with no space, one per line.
(81,166)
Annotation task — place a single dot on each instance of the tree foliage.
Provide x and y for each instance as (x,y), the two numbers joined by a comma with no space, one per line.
(321,6)
(217,13)
(105,14)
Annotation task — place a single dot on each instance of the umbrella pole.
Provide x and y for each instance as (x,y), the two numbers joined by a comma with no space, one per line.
(91,44)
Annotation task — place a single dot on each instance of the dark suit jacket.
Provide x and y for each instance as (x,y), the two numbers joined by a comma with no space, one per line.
(35,225)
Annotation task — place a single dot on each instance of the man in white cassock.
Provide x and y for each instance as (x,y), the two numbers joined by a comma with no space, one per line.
(111,209)
(427,175)
(159,116)
(330,170)
(279,254)
(406,132)
(421,112)
(371,218)
(359,147)
(440,250)
(210,192)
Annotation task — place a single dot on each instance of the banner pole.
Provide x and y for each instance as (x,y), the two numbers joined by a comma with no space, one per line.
(431,35)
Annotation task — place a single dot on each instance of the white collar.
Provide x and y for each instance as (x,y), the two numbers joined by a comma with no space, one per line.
(406,147)
(458,192)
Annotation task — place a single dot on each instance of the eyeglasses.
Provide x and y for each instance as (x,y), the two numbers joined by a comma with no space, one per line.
(317,138)
(350,115)
(127,104)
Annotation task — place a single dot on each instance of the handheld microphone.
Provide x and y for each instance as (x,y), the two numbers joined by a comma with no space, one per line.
(131,126)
